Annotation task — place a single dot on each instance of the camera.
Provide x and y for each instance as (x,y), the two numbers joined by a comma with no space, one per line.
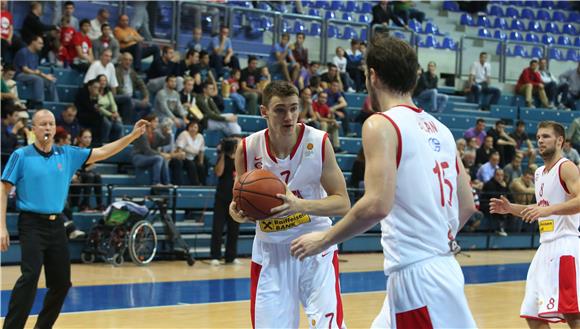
(228,145)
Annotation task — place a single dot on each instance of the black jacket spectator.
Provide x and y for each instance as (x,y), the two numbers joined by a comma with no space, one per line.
(426,81)
(159,68)
(381,14)
(32,26)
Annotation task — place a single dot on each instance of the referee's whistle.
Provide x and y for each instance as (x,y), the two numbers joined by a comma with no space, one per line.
(46,136)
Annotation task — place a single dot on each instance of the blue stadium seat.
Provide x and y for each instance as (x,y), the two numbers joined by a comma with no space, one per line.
(517,25)
(534,26)
(512,12)
(483,21)
(554,53)
(551,27)
(285,26)
(558,16)
(547,39)
(564,41)
(572,55)
(466,20)
(329,15)
(195,198)
(516,36)
(531,37)
(543,15)
(262,5)
(315,29)
(431,28)
(415,26)
(365,8)
(430,42)
(495,10)
(400,35)
(547,4)
(537,52)
(363,34)
(335,5)
(332,31)
(362,18)
(569,29)
(527,13)
(574,17)
(577,42)
(245,4)
(500,35)
(518,51)
(349,33)
(450,6)
(448,43)
(564,5)
(321,4)
(498,23)
(314,12)
(267,24)
(484,33)
(350,6)
(345,161)
(347,17)
(67,93)
(299,27)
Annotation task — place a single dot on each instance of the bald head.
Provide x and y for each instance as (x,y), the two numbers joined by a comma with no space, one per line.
(126,60)
(42,115)
(43,124)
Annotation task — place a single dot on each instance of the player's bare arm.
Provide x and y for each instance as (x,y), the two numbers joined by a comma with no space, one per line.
(4,236)
(466,203)
(337,203)
(376,203)
(108,150)
(571,178)
(240,165)
(504,206)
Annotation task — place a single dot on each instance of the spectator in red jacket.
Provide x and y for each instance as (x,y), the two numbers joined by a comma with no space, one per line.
(530,82)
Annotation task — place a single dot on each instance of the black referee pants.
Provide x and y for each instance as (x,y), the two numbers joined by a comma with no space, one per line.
(221,217)
(42,241)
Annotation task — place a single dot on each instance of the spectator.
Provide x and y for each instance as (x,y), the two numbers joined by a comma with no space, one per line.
(573,133)
(68,12)
(477,132)
(282,61)
(487,170)
(460,145)
(265,78)
(338,104)
(90,114)
(570,153)
(27,73)
(131,89)
(112,124)
(529,83)
(187,95)
(10,42)
(189,66)
(103,66)
(403,11)
(426,90)
(330,76)
(365,111)
(522,188)
(214,12)
(570,81)
(513,169)
(550,82)
(191,141)
(305,75)
(141,19)
(474,221)
(358,174)
(145,155)
(471,145)
(307,114)
(469,164)
(232,86)
(168,104)
(480,83)
(484,152)
(11,124)
(249,85)
(131,41)
(523,142)
(502,142)
(300,52)
(195,43)
(341,62)
(224,170)
(9,91)
(227,123)
(32,27)
(222,52)
(97,22)
(315,85)
(68,120)
(327,120)
(495,188)
(90,179)
(173,155)
(205,71)
(382,14)
(66,51)
(83,48)
(355,66)
(161,68)
(106,41)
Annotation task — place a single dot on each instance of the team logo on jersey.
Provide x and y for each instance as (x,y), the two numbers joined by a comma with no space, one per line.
(546,225)
(309,150)
(435,144)
(59,166)
(283,224)
(310,146)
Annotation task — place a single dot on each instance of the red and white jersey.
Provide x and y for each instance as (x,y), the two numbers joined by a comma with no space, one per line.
(301,171)
(6,21)
(425,210)
(551,190)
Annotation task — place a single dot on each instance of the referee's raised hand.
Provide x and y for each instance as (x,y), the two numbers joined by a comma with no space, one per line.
(140,127)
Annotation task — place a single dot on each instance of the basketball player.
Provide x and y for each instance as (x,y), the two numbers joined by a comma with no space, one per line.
(417,188)
(553,278)
(303,158)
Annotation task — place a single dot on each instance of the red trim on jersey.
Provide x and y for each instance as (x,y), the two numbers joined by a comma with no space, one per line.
(339,313)
(255,270)
(270,154)
(324,145)
(542,319)
(245,153)
(298,141)
(560,177)
(417,319)
(400,144)
(568,293)
(415,109)
(546,170)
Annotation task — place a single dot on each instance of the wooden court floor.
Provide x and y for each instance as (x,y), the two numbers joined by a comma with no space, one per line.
(494,305)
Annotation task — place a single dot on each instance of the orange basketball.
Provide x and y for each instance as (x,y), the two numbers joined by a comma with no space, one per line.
(255,193)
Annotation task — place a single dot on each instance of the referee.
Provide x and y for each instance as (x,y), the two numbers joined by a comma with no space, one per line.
(42,173)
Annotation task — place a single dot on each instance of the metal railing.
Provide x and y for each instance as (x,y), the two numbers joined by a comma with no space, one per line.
(459,61)
(311,19)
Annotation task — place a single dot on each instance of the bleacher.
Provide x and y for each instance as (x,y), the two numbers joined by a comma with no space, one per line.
(254,32)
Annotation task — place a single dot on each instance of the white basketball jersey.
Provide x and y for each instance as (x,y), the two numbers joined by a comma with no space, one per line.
(425,210)
(551,190)
(301,171)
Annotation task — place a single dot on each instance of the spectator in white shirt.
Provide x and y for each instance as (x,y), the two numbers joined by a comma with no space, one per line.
(550,82)
(102,18)
(191,141)
(340,61)
(103,66)
(480,83)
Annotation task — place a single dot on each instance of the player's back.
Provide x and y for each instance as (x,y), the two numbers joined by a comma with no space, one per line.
(425,208)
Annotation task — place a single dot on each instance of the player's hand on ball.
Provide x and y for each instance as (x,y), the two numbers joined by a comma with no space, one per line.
(238,215)
(291,204)
(533,212)
(308,245)
(499,206)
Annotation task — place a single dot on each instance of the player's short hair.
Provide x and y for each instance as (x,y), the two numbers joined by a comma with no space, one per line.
(395,63)
(558,128)
(281,89)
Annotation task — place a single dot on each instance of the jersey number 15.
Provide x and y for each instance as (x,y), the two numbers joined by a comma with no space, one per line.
(439,170)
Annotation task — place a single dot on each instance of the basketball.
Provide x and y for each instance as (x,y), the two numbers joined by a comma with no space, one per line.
(255,193)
